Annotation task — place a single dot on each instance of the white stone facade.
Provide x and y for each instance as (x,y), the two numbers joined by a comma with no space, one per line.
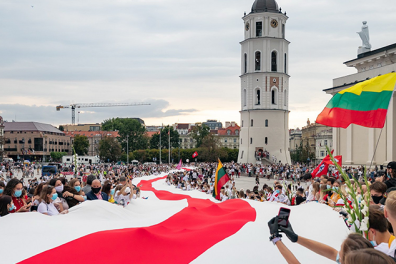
(357,144)
(264,87)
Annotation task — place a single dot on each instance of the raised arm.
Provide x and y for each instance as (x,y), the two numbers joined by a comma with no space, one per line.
(317,247)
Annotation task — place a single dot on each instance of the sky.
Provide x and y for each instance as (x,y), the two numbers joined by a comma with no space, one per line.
(181,57)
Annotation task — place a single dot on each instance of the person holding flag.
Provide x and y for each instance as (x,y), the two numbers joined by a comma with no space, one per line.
(221,179)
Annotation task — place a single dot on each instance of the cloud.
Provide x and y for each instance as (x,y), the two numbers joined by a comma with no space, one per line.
(184,53)
(48,114)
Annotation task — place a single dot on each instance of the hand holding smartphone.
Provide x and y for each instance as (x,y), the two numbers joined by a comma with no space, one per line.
(283,217)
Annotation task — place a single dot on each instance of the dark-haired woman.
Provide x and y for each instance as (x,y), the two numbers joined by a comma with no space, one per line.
(14,188)
(367,256)
(47,197)
(6,205)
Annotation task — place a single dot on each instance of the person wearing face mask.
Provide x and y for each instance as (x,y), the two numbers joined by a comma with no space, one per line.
(47,198)
(60,202)
(377,192)
(95,193)
(14,188)
(351,243)
(2,187)
(6,205)
(378,233)
(390,177)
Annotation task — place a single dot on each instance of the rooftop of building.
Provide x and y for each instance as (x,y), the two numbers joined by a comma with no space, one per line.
(373,52)
(30,126)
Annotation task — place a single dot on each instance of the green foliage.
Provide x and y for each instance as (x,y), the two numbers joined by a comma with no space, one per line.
(360,211)
(210,150)
(199,132)
(57,156)
(61,128)
(130,129)
(174,139)
(109,149)
(81,144)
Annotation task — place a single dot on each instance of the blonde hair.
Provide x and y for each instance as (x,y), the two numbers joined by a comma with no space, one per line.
(390,203)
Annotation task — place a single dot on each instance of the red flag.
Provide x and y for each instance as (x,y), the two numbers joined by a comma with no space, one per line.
(338,159)
(322,168)
(195,154)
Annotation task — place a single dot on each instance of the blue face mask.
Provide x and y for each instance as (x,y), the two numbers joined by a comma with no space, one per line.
(1,191)
(277,191)
(11,208)
(373,243)
(335,188)
(78,188)
(338,258)
(85,197)
(328,186)
(112,191)
(18,193)
(54,196)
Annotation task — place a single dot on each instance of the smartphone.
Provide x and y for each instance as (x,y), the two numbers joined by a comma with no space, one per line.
(283,217)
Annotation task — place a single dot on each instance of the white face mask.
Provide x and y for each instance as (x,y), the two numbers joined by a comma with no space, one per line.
(59,188)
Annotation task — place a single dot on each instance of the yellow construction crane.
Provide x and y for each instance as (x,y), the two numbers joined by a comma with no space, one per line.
(74,106)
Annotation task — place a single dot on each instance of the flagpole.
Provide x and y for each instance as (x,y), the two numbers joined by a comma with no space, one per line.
(169,145)
(376,146)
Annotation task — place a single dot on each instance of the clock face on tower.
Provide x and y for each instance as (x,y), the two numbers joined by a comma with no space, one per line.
(247,26)
(274,23)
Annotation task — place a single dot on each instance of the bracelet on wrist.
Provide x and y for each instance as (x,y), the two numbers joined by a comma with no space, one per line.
(273,236)
(276,239)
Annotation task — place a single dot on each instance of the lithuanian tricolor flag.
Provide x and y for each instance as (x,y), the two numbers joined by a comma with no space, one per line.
(364,104)
(220,180)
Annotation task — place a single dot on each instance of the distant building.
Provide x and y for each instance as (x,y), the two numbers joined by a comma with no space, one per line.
(295,137)
(82,127)
(229,136)
(94,137)
(1,139)
(213,124)
(314,139)
(33,140)
(323,139)
(153,128)
(182,128)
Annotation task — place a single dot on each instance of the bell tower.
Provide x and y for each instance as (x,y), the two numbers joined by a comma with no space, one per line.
(264,85)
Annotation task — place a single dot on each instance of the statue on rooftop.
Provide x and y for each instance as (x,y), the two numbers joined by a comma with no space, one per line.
(365,36)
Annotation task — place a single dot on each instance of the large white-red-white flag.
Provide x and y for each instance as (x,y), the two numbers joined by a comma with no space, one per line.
(171,226)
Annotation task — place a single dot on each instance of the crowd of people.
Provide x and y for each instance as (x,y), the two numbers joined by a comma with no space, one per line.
(55,194)
(293,185)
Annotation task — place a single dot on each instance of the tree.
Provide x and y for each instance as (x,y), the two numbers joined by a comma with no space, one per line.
(210,150)
(199,132)
(57,156)
(61,128)
(81,144)
(174,139)
(129,129)
(110,149)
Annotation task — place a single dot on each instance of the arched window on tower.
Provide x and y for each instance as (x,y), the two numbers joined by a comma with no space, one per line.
(259,29)
(266,122)
(274,96)
(257,96)
(274,66)
(285,63)
(283,31)
(266,140)
(257,61)
(245,63)
(244,97)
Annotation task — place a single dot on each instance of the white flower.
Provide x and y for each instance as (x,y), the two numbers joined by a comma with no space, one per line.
(364,224)
(350,220)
